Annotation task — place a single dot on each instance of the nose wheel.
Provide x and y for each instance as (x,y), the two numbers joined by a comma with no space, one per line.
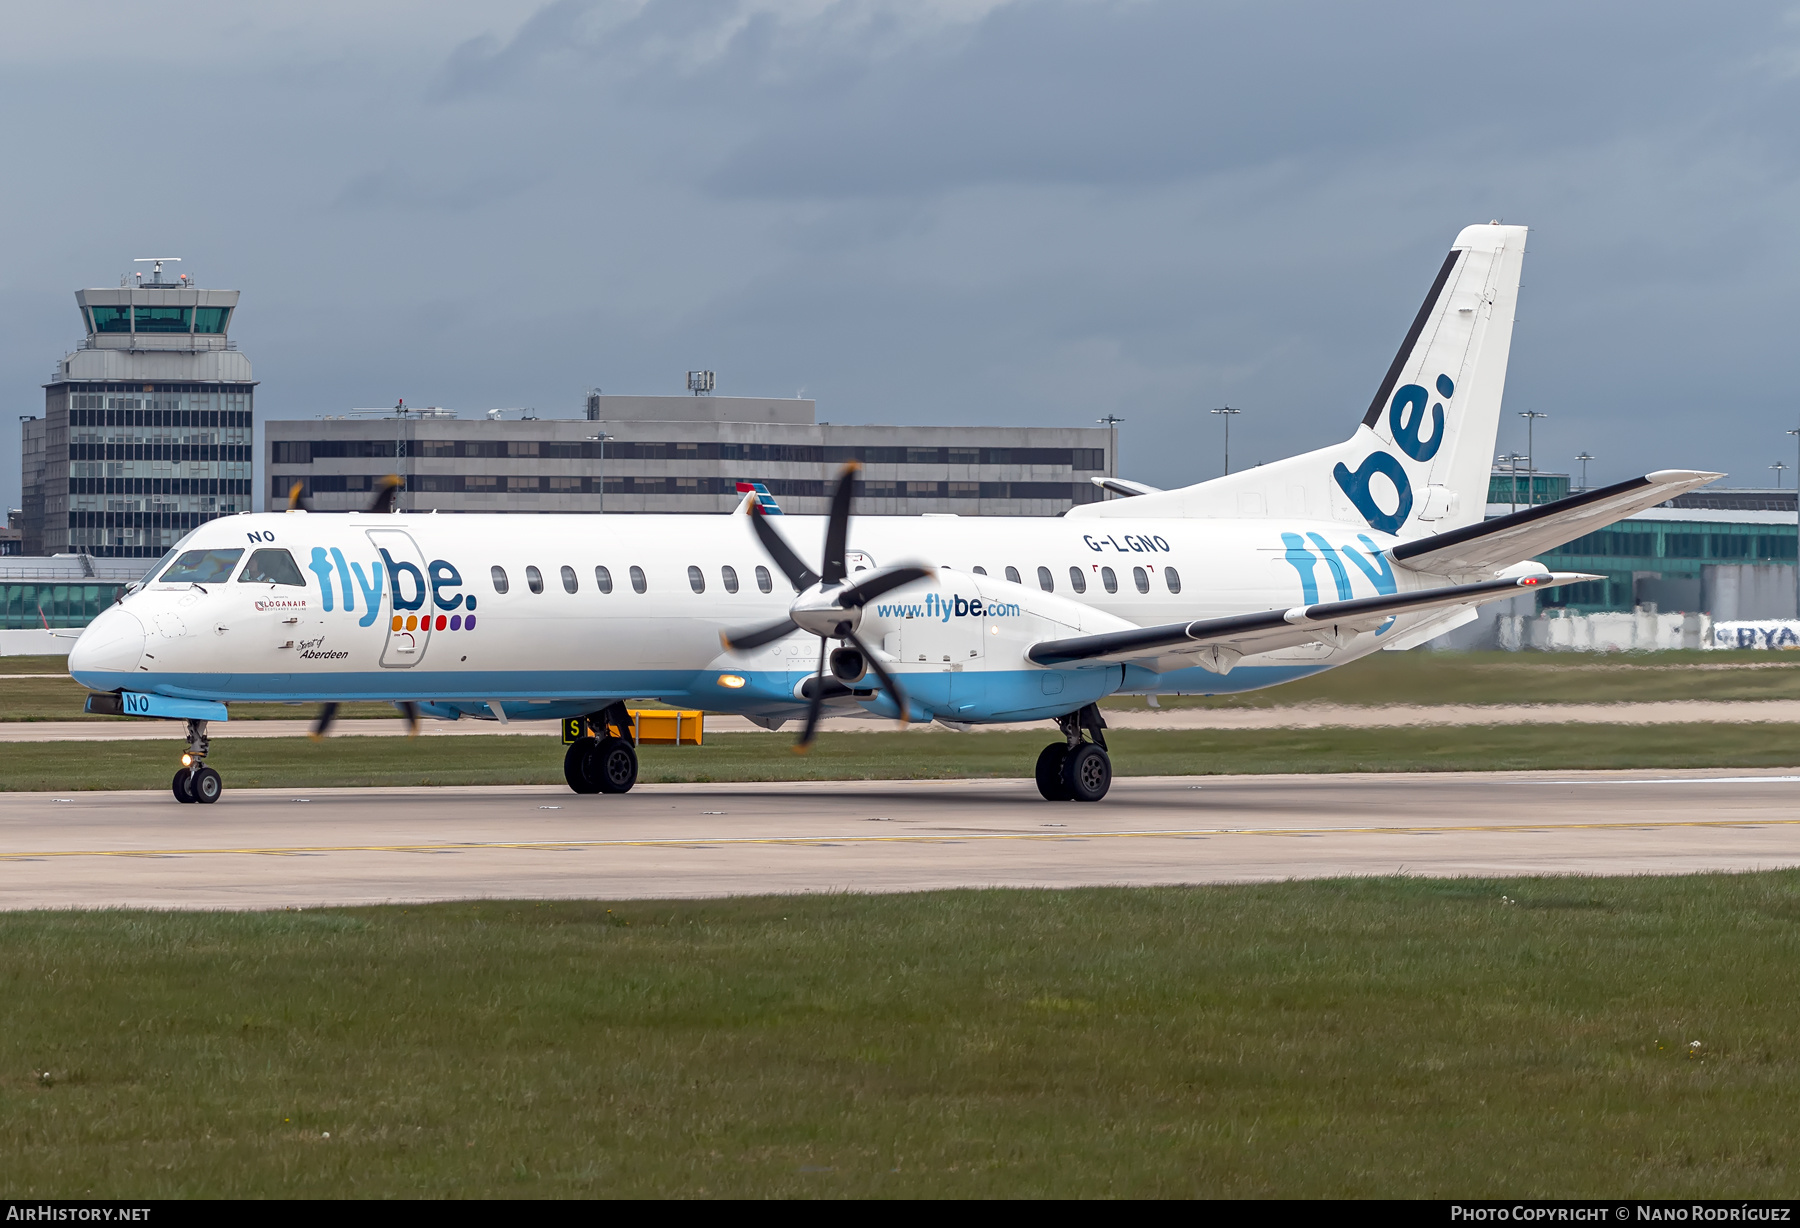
(1075,770)
(195,782)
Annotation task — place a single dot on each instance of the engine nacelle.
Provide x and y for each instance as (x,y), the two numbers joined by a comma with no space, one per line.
(958,642)
(848,665)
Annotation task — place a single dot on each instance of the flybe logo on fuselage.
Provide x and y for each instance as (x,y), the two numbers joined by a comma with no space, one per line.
(1406,419)
(406,587)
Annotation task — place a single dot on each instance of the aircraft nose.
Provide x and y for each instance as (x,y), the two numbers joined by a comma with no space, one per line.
(112,644)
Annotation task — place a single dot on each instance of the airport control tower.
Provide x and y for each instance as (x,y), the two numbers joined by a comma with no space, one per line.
(146,432)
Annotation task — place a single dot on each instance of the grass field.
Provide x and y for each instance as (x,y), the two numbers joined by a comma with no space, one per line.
(1383,678)
(499,759)
(1384,1037)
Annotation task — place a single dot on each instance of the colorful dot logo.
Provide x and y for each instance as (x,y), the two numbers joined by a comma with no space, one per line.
(454,622)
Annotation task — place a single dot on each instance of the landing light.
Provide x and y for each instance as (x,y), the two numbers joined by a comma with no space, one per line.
(730,680)
(187,761)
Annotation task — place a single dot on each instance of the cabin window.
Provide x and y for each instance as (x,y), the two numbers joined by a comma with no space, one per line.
(202,567)
(1012,573)
(1077,581)
(1045,581)
(570,583)
(1108,579)
(638,584)
(696,579)
(764,581)
(499,574)
(603,579)
(1141,578)
(728,574)
(272,567)
(534,579)
(981,571)
(1172,578)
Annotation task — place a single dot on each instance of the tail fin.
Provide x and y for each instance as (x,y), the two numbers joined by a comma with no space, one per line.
(1419,461)
(769,506)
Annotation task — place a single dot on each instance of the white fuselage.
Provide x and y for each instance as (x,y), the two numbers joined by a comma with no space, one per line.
(553,643)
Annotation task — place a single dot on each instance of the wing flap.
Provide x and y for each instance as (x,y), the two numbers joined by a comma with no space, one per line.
(1505,540)
(1270,629)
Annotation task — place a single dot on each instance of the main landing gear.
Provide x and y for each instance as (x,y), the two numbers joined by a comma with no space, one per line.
(604,764)
(1073,770)
(195,782)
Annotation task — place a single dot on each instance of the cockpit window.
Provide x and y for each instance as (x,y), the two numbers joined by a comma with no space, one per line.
(202,567)
(271,567)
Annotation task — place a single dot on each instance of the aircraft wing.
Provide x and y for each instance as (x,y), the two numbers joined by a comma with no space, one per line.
(1505,540)
(1238,634)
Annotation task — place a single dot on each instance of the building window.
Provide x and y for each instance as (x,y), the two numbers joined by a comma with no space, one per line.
(211,319)
(1012,573)
(696,579)
(111,319)
(1109,580)
(729,575)
(534,579)
(1044,580)
(164,319)
(603,579)
(764,582)
(638,583)
(1172,578)
(1077,581)
(570,584)
(1141,578)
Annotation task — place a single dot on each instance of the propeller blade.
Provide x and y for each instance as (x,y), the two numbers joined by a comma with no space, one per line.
(837,529)
(888,682)
(297,498)
(780,553)
(386,491)
(410,711)
(879,582)
(756,637)
(813,708)
(327,714)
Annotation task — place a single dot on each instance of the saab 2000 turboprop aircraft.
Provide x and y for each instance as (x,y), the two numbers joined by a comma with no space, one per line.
(1242,582)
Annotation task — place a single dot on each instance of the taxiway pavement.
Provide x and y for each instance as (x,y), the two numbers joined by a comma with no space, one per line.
(295,848)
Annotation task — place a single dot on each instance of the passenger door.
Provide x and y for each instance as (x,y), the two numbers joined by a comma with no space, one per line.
(409,630)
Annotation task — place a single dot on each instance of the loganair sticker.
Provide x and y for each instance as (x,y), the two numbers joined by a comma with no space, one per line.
(281,603)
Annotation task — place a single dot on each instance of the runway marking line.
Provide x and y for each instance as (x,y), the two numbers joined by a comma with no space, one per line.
(703,843)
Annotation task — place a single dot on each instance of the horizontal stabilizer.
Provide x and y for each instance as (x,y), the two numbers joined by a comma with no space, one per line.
(1505,540)
(1124,488)
(1246,633)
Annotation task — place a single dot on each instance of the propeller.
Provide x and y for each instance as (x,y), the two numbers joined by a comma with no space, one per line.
(824,604)
(328,716)
(297,501)
(386,491)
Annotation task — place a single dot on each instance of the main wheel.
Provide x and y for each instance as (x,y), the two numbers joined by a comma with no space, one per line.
(1087,773)
(1050,772)
(208,784)
(577,765)
(180,786)
(614,765)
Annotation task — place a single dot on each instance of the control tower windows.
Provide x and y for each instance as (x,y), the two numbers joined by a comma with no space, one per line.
(164,319)
(111,319)
(210,319)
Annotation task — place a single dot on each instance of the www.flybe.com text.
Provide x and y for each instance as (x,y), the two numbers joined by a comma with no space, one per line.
(945,608)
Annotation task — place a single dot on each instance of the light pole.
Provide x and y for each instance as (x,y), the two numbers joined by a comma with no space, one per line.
(1228,414)
(1112,420)
(1531,416)
(1511,460)
(1778,466)
(601,439)
(1796,435)
(1584,458)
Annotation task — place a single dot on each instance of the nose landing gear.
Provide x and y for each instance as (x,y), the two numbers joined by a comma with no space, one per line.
(195,782)
(1073,770)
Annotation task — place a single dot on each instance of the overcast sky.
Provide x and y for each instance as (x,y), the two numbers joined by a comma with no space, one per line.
(1025,212)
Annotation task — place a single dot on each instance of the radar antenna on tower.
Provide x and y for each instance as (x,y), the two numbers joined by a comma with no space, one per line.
(156,263)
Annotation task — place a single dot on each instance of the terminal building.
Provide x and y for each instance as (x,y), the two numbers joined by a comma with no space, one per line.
(680,454)
(147,428)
